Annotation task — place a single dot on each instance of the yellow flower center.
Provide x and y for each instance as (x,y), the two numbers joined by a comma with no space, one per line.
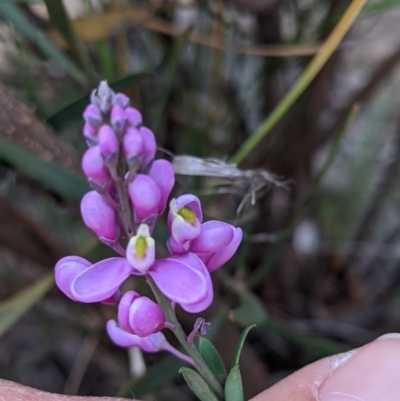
(140,247)
(187,214)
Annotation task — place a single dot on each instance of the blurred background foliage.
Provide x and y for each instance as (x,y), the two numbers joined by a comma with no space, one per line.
(296,88)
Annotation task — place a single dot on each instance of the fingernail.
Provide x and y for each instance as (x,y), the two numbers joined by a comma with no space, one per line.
(371,373)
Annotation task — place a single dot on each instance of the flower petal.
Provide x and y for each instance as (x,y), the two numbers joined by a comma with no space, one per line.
(66,270)
(179,280)
(101,280)
(214,237)
(123,309)
(220,258)
(153,343)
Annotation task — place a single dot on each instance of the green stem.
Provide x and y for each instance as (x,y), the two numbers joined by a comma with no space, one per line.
(191,350)
(303,82)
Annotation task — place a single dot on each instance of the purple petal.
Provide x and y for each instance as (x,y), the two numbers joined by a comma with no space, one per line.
(145,317)
(66,270)
(108,142)
(123,309)
(134,117)
(181,278)
(220,258)
(99,216)
(150,145)
(214,237)
(153,343)
(93,166)
(101,280)
(163,174)
(192,202)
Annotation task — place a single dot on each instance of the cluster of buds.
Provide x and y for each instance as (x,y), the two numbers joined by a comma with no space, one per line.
(130,192)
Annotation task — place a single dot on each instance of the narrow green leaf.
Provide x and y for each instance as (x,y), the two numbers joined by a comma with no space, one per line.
(380,6)
(74,110)
(13,15)
(234,386)
(212,358)
(52,176)
(13,309)
(198,385)
(239,345)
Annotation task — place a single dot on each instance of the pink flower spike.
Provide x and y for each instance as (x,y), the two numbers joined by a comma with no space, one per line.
(145,196)
(133,147)
(108,144)
(90,134)
(184,219)
(121,100)
(150,145)
(163,174)
(118,118)
(140,315)
(101,280)
(185,280)
(94,168)
(66,270)
(134,117)
(92,115)
(216,244)
(141,250)
(99,216)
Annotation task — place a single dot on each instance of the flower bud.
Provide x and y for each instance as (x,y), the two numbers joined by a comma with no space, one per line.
(108,144)
(90,134)
(99,216)
(94,168)
(118,118)
(216,244)
(134,117)
(163,174)
(102,97)
(140,315)
(145,196)
(150,146)
(133,147)
(141,249)
(184,219)
(92,116)
(121,100)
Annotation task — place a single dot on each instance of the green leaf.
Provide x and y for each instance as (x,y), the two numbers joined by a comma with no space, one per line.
(380,6)
(13,309)
(198,385)
(239,345)
(212,358)
(157,376)
(12,14)
(74,110)
(52,176)
(234,386)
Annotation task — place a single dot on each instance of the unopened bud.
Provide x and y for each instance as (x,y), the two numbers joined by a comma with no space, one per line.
(92,116)
(118,118)
(121,100)
(134,117)
(108,144)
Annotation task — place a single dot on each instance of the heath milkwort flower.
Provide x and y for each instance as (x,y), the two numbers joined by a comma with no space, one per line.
(130,192)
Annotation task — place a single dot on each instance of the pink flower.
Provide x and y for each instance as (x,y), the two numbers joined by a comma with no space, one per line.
(216,243)
(184,279)
(140,315)
(141,249)
(94,168)
(163,175)
(184,219)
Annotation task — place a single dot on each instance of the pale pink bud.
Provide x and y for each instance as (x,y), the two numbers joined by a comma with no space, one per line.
(122,100)
(150,145)
(118,118)
(134,117)
(108,143)
(92,116)
(99,216)
(141,249)
(145,196)
(140,315)
(94,168)
(90,134)
(133,147)
(163,174)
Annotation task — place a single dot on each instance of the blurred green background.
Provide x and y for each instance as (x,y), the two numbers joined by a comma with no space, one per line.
(267,84)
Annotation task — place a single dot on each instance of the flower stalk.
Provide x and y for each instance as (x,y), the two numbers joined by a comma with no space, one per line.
(191,349)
